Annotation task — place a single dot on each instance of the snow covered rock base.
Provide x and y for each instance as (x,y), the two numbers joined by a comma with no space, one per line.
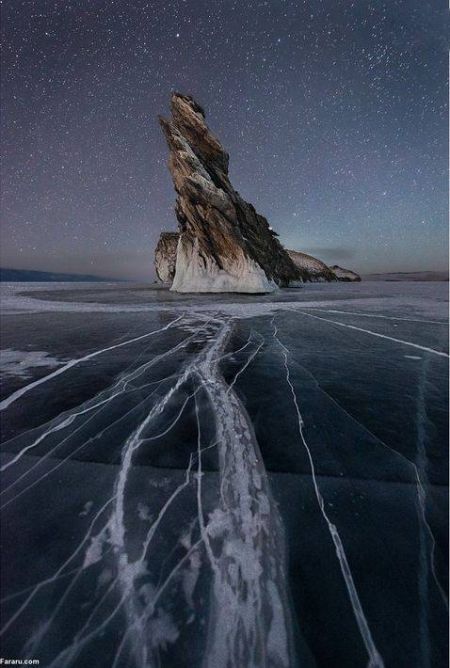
(195,273)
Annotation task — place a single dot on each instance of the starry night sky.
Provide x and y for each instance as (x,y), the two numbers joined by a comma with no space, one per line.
(334,114)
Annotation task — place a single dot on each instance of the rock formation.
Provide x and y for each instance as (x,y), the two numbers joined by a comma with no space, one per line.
(313,270)
(316,269)
(224,244)
(345,274)
(166,255)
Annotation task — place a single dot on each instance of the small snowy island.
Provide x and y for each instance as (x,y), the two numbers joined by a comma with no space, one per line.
(223,244)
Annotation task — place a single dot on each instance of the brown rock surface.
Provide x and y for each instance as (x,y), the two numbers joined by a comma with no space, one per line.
(225,245)
(317,270)
(166,255)
(345,274)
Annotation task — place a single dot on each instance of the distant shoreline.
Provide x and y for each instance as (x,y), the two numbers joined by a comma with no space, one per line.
(34,276)
(408,276)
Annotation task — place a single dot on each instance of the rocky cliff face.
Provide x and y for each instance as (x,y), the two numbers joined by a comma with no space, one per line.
(316,269)
(166,255)
(224,244)
(345,274)
(312,269)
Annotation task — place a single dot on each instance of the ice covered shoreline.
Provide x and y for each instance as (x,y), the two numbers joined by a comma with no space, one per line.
(427,299)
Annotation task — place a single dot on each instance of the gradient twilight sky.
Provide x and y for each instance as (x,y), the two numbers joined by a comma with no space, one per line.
(334,113)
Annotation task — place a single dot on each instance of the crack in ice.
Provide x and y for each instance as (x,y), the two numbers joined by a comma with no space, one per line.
(23,390)
(381,336)
(384,317)
(375,659)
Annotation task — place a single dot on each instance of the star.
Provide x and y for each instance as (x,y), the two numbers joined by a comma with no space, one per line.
(336,109)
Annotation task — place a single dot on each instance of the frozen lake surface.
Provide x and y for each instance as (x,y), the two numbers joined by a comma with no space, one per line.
(225,481)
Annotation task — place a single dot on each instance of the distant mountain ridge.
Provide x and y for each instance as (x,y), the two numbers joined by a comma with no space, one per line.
(30,276)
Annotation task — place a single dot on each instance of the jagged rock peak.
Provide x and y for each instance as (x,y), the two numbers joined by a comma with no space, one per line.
(224,245)
(188,123)
(176,96)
